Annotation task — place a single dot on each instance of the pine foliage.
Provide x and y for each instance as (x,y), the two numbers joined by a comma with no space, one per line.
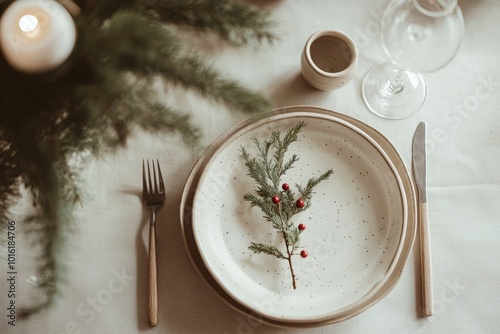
(267,170)
(106,93)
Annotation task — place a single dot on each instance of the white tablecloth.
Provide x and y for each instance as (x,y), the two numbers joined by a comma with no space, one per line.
(105,287)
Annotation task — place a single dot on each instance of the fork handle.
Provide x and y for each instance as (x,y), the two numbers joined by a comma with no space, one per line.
(153,286)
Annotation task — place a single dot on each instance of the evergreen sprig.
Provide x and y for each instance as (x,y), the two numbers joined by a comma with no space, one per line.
(108,92)
(279,205)
(231,20)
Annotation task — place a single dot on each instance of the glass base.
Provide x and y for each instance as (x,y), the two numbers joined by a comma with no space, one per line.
(384,100)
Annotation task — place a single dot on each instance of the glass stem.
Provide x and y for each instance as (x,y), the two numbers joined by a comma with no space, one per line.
(395,85)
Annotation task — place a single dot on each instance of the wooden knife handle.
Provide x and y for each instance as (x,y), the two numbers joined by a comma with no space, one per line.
(425,257)
(153,286)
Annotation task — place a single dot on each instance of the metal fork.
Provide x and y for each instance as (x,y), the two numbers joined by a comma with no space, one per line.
(153,194)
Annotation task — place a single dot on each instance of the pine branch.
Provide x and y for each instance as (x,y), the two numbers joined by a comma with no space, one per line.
(259,202)
(264,173)
(279,206)
(9,185)
(236,22)
(311,184)
(266,249)
(289,164)
(259,172)
(168,59)
(107,93)
(292,237)
(105,9)
(127,110)
(45,185)
(282,147)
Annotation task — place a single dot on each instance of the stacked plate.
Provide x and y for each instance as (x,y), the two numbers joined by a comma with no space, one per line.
(360,227)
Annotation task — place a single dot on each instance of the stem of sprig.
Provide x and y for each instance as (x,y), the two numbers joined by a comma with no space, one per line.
(288,251)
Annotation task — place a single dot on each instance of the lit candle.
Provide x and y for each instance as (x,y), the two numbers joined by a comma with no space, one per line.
(36,36)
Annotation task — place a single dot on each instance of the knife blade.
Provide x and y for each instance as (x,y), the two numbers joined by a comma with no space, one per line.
(419,164)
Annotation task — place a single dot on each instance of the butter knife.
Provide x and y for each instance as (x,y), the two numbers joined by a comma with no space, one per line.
(419,174)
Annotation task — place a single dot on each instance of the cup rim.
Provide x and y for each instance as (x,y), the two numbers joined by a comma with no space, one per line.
(336,33)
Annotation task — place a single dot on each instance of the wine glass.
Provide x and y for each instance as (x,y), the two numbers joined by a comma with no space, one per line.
(418,36)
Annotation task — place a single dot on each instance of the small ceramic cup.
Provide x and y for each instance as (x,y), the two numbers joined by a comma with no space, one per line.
(329,59)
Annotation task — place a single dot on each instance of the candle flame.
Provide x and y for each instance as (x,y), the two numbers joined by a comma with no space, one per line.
(28,24)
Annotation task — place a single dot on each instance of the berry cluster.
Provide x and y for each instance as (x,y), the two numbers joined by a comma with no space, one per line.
(299,203)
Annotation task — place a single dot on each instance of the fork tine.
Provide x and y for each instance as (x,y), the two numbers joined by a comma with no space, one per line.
(144,184)
(162,186)
(149,179)
(155,180)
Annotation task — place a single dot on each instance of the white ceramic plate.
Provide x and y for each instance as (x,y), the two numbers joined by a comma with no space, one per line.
(356,225)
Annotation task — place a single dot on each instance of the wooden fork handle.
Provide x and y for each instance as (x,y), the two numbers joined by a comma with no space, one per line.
(153,286)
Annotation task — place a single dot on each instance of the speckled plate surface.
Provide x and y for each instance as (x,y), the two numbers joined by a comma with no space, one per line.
(356,226)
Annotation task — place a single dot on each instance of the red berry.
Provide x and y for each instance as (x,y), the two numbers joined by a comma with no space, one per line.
(285,186)
(276,199)
(300,203)
(304,253)
(302,227)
